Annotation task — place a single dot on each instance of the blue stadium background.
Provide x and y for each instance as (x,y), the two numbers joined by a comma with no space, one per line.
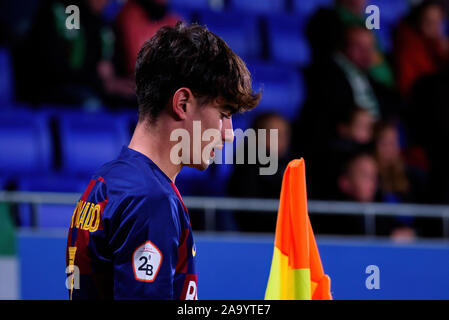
(56,152)
(269,35)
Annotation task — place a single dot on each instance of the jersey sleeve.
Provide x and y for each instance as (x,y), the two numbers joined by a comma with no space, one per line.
(144,238)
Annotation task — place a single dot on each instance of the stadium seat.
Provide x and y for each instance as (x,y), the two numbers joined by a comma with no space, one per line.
(192,182)
(282,89)
(6,78)
(188,9)
(242,120)
(286,40)
(258,6)
(185,13)
(194,4)
(306,8)
(385,38)
(52,215)
(112,9)
(391,11)
(241,32)
(49,215)
(3,182)
(88,140)
(52,182)
(131,118)
(25,142)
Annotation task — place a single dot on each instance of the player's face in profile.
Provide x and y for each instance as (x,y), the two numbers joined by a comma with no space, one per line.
(215,119)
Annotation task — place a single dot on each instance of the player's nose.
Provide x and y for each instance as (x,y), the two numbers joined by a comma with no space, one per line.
(227,131)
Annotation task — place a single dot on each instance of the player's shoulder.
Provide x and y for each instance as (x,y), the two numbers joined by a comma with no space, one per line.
(134,174)
(134,187)
(137,182)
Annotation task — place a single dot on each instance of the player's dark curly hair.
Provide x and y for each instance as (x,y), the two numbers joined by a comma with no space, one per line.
(190,56)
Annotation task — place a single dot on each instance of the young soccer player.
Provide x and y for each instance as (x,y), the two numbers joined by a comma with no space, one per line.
(130,235)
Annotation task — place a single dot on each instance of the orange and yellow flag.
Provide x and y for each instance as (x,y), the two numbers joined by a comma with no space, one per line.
(296,271)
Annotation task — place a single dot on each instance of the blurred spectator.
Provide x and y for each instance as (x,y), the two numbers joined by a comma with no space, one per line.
(358,180)
(428,120)
(356,127)
(354,131)
(398,182)
(421,47)
(137,22)
(394,182)
(403,234)
(332,89)
(71,66)
(246,180)
(326,32)
(354,59)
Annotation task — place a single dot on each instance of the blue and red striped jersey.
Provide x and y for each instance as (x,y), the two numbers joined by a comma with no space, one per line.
(130,236)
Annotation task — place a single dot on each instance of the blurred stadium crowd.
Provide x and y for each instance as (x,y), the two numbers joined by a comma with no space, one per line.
(367,109)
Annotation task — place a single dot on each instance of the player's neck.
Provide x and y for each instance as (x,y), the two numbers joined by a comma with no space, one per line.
(153,141)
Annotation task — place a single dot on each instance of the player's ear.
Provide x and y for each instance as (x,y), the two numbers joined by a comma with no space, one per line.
(180,102)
